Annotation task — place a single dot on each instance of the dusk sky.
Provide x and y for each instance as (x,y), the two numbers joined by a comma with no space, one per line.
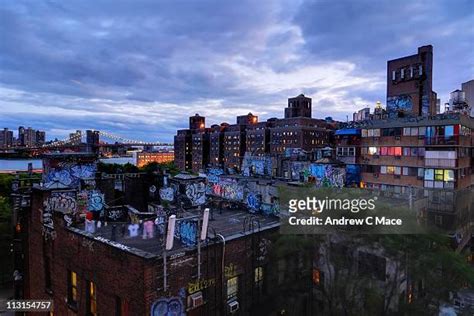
(140,68)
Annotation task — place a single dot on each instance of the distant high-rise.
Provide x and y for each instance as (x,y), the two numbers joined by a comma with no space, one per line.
(409,84)
(30,137)
(6,138)
(21,136)
(40,137)
(299,106)
(468,88)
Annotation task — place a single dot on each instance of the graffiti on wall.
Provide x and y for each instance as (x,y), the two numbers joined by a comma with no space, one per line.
(167,194)
(425,105)
(196,193)
(68,174)
(254,201)
(229,189)
(263,246)
(254,165)
(116,214)
(400,102)
(352,175)
(186,232)
(95,201)
(64,202)
(328,176)
(299,171)
(213,174)
(172,306)
(200,285)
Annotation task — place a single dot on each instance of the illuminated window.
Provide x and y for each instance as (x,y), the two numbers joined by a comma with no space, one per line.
(390,169)
(232,287)
(397,151)
(448,175)
(91,298)
(372,150)
(438,174)
(72,288)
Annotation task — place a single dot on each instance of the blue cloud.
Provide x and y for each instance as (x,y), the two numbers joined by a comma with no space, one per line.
(141,68)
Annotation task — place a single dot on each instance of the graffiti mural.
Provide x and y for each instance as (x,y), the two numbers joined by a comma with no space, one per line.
(255,165)
(299,171)
(196,193)
(254,201)
(167,194)
(400,102)
(328,176)
(229,189)
(213,174)
(186,232)
(116,214)
(168,307)
(64,202)
(68,174)
(95,201)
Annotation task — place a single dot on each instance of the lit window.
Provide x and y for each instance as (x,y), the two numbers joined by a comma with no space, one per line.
(91,298)
(438,174)
(72,288)
(372,150)
(232,287)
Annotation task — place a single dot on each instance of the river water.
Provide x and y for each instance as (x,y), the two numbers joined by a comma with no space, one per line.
(22,164)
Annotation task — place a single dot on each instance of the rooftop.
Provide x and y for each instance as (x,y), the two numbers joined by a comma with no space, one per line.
(231,224)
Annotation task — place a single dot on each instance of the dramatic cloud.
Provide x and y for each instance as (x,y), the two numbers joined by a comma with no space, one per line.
(140,68)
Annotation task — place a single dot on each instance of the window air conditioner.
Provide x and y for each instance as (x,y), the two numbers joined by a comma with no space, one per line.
(233,306)
(196,300)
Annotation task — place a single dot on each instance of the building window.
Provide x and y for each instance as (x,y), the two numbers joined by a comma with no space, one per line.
(232,287)
(394,75)
(91,299)
(258,279)
(72,288)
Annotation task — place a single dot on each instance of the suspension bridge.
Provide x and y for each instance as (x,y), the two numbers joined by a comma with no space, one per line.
(80,138)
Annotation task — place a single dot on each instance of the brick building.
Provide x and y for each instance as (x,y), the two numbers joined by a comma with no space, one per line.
(146,157)
(72,265)
(216,145)
(182,149)
(409,84)
(430,156)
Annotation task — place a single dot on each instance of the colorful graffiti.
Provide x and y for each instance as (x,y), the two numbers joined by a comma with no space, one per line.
(186,231)
(167,194)
(400,102)
(213,174)
(196,193)
(270,208)
(299,171)
(82,201)
(168,307)
(64,202)
(254,201)
(95,201)
(254,165)
(229,189)
(68,174)
(328,176)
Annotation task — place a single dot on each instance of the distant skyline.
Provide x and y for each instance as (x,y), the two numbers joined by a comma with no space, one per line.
(139,69)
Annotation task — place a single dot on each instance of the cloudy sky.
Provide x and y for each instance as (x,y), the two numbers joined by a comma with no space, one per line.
(140,68)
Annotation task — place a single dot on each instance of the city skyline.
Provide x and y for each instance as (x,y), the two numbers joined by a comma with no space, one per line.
(141,75)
